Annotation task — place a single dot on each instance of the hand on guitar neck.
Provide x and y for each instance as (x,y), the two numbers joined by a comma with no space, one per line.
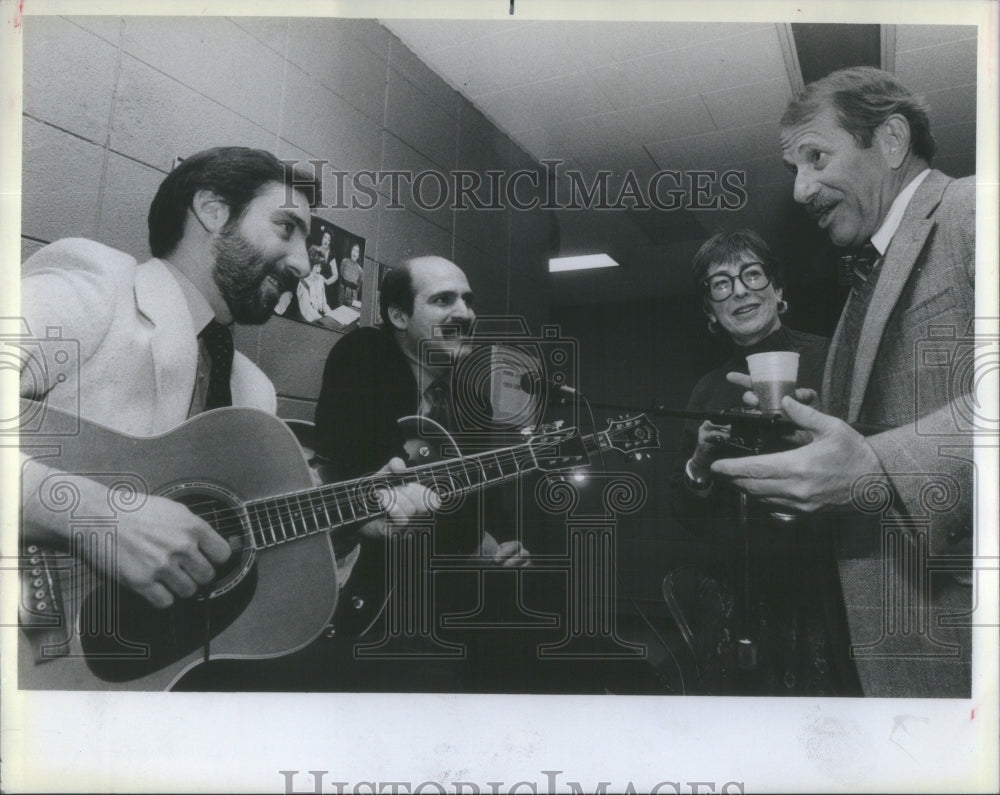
(509,554)
(401,504)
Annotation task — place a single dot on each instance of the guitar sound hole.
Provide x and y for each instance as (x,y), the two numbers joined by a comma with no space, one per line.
(125,638)
(225,519)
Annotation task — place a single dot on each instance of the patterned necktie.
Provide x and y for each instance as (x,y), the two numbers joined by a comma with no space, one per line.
(218,341)
(860,264)
(439,408)
(864,277)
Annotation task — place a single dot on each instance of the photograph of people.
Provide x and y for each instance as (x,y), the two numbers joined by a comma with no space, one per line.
(351,272)
(323,251)
(311,293)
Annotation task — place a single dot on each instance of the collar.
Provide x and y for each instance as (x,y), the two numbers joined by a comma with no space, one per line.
(883,236)
(201,311)
(777,340)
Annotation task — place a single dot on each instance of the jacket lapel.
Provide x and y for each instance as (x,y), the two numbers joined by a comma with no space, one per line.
(900,258)
(827,402)
(173,342)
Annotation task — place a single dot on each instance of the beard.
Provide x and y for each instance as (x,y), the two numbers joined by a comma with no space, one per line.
(250,284)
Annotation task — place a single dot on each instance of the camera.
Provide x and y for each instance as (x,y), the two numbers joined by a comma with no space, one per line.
(956,367)
(502,376)
(753,432)
(44,363)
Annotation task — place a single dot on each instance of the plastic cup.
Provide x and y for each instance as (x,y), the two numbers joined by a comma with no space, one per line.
(773,375)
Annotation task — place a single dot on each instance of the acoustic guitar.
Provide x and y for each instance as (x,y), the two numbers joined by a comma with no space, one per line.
(244,472)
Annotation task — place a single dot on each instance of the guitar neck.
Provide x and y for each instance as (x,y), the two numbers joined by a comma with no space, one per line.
(277,520)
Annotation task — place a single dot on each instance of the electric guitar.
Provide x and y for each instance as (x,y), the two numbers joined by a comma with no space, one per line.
(244,472)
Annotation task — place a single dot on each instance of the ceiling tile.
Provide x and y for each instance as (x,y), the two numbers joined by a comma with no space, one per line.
(475,69)
(727,65)
(746,104)
(694,69)
(943,66)
(632,158)
(916,37)
(544,104)
(430,35)
(723,146)
(680,118)
(762,172)
(601,43)
(562,140)
(629,84)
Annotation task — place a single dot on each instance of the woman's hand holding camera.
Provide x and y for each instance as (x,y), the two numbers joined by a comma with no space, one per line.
(712,440)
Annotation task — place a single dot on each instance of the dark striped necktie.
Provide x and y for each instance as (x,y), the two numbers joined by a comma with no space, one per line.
(218,341)
(863,263)
(439,403)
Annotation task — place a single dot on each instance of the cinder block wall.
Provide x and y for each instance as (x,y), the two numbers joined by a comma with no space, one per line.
(110,102)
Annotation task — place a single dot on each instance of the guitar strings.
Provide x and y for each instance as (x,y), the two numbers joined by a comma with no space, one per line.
(267,516)
(354,500)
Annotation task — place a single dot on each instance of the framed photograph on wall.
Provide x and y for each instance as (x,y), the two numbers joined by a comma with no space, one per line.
(330,296)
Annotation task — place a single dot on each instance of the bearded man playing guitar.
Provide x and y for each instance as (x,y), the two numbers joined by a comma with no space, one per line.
(138,349)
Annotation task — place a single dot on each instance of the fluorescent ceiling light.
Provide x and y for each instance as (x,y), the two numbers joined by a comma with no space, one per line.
(585,262)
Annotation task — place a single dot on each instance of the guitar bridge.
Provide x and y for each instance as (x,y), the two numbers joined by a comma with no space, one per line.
(40,610)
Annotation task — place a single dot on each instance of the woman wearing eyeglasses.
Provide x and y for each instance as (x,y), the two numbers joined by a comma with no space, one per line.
(775,596)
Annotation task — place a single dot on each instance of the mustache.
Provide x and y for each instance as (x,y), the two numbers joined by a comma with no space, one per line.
(453,329)
(816,207)
(287,282)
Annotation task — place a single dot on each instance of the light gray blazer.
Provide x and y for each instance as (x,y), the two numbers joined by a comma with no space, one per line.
(904,563)
(131,341)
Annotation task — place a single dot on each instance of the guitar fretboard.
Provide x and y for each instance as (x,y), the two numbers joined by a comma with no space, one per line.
(276,520)
(279,519)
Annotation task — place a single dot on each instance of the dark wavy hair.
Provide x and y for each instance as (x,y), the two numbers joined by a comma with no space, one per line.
(863,97)
(732,246)
(236,173)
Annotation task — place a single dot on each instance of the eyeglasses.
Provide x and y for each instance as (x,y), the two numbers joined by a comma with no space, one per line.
(721,285)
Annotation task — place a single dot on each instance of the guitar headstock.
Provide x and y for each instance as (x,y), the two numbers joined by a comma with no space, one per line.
(632,434)
(556,447)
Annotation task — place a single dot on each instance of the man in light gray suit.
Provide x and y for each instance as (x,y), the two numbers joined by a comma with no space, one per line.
(227,230)
(897,494)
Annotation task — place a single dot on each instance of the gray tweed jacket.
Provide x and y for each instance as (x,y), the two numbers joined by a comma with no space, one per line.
(904,557)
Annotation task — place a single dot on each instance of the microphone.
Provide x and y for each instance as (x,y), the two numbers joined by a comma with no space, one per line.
(533,384)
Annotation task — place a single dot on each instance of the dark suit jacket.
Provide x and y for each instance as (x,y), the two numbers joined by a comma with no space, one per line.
(367,387)
(904,563)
